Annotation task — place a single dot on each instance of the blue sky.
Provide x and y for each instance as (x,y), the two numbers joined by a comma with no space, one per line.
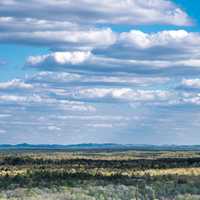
(124,71)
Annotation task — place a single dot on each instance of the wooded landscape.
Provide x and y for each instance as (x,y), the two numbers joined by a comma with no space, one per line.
(99,174)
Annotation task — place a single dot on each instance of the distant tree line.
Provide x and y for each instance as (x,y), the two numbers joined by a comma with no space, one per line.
(160,163)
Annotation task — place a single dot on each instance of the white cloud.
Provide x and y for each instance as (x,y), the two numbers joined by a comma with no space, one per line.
(15,84)
(99,12)
(139,39)
(14,24)
(59,58)
(93,77)
(94,118)
(107,66)
(44,101)
(105,125)
(2,131)
(121,94)
(5,115)
(64,25)
(132,52)
(190,98)
(63,78)
(191,83)
(164,45)
(78,40)
(53,128)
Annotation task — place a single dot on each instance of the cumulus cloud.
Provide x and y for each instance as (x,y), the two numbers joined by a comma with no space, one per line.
(86,42)
(56,103)
(15,84)
(64,78)
(79,39)
(108,66)
(94,117)
(143,40)
(98,12)
(121,94)
(191,83)
(100,125)
(165,52)
(14,24)
(53,128)
(164,45)
(66,89)
(190,98)
(73,25)
(44,91)
(59,58)
(53,34)
(93,77)
(64,96)
(37,100)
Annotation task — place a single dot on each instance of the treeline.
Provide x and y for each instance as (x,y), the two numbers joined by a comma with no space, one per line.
(161,163)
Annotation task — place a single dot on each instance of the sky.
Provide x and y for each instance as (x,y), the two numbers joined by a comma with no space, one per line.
(90,71)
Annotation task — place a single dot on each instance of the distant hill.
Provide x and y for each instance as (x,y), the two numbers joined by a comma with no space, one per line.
(106,146)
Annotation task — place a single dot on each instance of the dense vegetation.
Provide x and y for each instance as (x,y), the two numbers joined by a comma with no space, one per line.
(99,175)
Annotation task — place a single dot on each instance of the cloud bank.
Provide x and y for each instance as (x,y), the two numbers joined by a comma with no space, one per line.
(102,78)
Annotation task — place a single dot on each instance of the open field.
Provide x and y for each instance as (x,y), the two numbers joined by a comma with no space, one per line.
(99,174)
